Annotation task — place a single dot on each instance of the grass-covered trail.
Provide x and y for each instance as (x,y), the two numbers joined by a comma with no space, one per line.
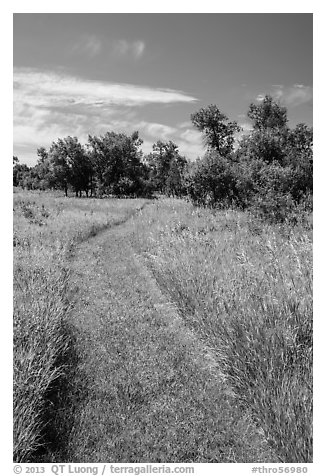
(144,388)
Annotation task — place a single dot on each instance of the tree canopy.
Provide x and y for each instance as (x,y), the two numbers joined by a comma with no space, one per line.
(218,130)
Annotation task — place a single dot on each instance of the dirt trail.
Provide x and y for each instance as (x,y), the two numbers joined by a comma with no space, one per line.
(152,392)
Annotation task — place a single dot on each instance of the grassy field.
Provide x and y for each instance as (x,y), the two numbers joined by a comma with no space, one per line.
(182,335)
(47,228)
(246,289)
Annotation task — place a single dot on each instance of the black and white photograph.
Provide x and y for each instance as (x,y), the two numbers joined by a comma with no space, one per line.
(162,242)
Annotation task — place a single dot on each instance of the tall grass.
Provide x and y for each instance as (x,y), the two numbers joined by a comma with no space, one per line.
(246,289)
(46,230)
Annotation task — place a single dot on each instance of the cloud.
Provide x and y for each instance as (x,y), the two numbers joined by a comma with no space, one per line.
(260,97)
(124,48)
(190,142)
(157,131)
(49,105)
(48,89)
(89,45)
(185,124)
(292,96)
(192,136)
(138,48)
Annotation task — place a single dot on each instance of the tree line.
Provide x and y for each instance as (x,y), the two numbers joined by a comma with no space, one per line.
(112,164)
(268,170)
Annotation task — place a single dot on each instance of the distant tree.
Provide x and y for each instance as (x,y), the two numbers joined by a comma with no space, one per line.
(166,167)
(299,156)
(20,172)
(43,169)
(42,154)
(270,172)
(70,165)
(59,165)
(116,163)
(212,181)
(300,143)
(218,130)
(267,115)
(268,139)
(263,145)
(174,180)
(79,165)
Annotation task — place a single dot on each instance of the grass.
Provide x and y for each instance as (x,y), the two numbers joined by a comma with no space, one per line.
(146,388)
(182,335)
(246,289)
(46,231)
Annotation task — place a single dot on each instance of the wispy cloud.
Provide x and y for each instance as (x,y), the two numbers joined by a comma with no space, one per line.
(157,131)
(48,89)
(124,48)
(185,124)
(294,95)
(89,45)
(138,48)
(48,105)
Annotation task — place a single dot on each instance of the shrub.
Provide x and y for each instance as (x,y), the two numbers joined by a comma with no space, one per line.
(212,182)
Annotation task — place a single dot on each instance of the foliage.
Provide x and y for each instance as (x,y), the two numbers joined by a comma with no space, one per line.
(69,165)
(166,167)
(218,130)
(270,173)
(267,115)
(212,182)
(116,163)
(20,172)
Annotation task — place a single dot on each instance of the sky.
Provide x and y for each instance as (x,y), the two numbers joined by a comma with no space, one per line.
(86,73)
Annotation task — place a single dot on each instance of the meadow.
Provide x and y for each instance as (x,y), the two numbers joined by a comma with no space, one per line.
(47,228)
(242,288)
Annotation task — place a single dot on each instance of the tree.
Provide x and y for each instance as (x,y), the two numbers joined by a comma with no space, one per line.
(116,163)
(166,167)
(174,181)
(299,156)
(268,115)
(43,169)
(268,139)
(212,181)
(20,172)
(70,165)
(300,143)
(59,165)
(42,155)
(218,130)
